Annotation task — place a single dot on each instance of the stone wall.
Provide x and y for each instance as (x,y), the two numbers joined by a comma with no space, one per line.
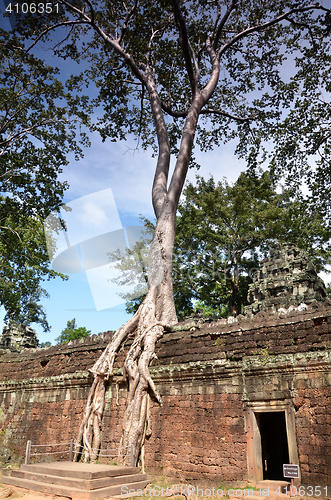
(215,379)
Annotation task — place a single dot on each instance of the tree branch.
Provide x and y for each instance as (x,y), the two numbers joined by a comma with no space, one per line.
(50,28)
(154,33)
(207,111)
(185,44)
(108,39)
(268,24)
(171,112)
(183,158)
(195,62)
(159,190)
(231,7)
(4,145)
(240,119)
(126,20)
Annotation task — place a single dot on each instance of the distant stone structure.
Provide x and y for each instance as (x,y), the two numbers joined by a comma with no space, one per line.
(16,337)
(286,278)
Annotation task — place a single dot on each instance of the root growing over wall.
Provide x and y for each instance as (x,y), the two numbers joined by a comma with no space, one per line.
(146,329)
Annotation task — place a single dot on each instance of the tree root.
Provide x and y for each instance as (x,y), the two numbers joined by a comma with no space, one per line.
(136,427)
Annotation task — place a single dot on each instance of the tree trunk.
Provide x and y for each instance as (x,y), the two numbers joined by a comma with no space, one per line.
(156,311)
(147,324)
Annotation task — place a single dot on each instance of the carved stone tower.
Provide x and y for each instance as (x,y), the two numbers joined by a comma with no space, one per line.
(285,278)
(16,337)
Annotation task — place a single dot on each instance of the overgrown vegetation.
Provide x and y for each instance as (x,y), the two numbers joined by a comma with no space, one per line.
(72,332)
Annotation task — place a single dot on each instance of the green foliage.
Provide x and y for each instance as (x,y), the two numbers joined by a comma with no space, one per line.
(24,264)
(220,230)
(222,233)
(38,123)
(37,130)
(302,141)
(45,344)
(272,91)
(72,332)
(166,51)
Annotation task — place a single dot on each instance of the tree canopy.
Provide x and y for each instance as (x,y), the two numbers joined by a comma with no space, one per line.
(38,121)
(24,264)
(271,61)
(222,231)
(72,332)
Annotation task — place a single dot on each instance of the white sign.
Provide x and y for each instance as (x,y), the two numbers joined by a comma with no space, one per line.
(290,470)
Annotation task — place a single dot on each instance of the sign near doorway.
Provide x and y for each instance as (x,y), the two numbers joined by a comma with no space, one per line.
(291,470)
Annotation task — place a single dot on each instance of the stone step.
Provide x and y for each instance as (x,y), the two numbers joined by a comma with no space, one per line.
(86,484)
(74,493)
(78,481)
(79,470)
(272,486)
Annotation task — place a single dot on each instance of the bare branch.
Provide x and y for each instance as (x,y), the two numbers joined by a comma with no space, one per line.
(154,33)
(184,42)
(91,10)
(207,111)
(304,25)
(4,145)
(108,39)
(126,21)
(131,82)
(221,25)
(171,112)
(240,119)
(50,28)
(80,11)
(195,61)
(12,231)
(64,39)
(7,119)
(268,24)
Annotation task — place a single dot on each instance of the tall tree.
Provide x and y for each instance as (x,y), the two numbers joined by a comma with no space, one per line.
(72,332)
(38,121)
(160,67)
(222,231)
(24,264)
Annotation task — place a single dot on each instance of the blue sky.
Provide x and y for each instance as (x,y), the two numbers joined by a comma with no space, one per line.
(110,188)
(126,175)
(116,172)
(129,176)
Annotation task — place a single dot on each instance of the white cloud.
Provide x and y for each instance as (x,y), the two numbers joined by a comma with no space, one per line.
(90,216)
(105,293)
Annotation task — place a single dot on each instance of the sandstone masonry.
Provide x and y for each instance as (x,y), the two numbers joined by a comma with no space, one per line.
(223,384)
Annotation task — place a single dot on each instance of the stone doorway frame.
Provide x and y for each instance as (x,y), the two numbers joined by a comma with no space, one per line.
(254,448)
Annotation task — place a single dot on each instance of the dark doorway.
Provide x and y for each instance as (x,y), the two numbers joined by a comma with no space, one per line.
(274,444)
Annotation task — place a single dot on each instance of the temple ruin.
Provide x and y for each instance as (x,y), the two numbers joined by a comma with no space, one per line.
(241,396)
(16,337)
